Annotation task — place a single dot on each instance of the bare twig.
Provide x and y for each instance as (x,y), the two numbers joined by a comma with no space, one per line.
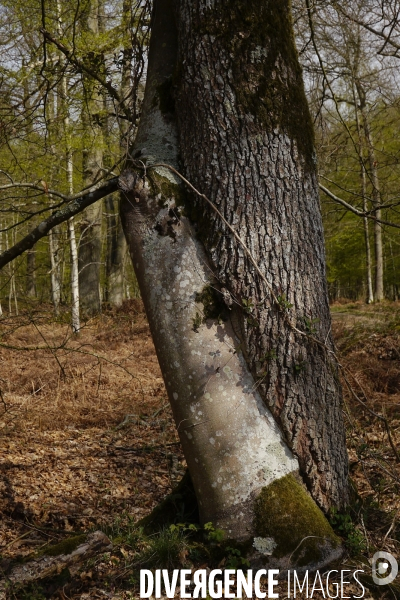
(359,213)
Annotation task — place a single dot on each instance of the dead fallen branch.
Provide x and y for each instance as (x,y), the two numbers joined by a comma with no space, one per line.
(47,566)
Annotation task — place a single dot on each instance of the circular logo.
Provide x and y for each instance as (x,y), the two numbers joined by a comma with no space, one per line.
(384,568)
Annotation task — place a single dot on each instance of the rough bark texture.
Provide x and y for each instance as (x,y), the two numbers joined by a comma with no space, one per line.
(219,413)
(252,155)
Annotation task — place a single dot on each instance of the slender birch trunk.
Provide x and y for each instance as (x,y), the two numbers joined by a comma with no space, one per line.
(376,201)
(75,309)
(368,262)
(54,248)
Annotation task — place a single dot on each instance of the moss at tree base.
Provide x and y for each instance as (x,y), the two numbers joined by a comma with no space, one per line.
(290,531)
(298,532)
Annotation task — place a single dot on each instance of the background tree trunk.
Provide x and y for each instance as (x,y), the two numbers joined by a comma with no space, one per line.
(31,274)
(73,248)
(363,175)
(116,243)
(376,197)
(54,249)
(90,242)
(116,252)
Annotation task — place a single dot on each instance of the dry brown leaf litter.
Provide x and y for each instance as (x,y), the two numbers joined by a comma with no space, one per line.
(87,434)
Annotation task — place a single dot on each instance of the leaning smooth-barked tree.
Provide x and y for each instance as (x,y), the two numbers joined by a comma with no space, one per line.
(232,273)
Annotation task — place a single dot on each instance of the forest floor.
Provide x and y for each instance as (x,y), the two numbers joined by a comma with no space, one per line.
(87,441)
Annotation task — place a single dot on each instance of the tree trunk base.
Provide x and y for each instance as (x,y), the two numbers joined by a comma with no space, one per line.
(291,531)
(179,506)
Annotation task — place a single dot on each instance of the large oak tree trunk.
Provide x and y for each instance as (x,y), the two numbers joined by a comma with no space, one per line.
(252,382)
(246,140)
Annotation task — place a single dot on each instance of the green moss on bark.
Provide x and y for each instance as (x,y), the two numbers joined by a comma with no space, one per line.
(213,304)
(168,190)
(65,547)
(285,512)
(267,77)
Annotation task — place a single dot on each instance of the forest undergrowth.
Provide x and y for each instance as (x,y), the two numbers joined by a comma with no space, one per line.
(87,442)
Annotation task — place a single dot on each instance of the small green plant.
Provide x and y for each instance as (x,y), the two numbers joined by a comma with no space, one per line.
(283,302)
(234,559)
(248,305)
(213,534)
(184,527)
(167,549)
(344,525)
(252,321)
(32,592)
(309,325)
(124,531)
